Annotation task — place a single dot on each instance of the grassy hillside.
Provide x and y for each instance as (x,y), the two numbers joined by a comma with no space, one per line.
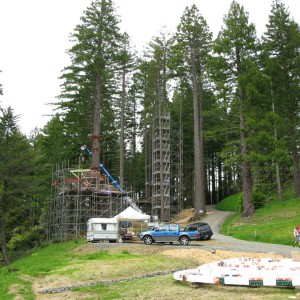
(230,203)
(114,273)
(273,223)
(72,263)
(38,263)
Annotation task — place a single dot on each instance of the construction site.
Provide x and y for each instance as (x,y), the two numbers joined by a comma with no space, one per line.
(81,194)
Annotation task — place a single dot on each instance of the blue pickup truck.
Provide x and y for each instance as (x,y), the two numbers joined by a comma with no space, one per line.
(168,234)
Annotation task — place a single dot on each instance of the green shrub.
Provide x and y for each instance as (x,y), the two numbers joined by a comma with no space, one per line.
(258,199)
(240,201)
(27,240)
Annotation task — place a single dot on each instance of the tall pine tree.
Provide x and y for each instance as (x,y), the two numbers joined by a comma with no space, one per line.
(16,170)
(236,48)
(89,83)
(281,44)
(191,52)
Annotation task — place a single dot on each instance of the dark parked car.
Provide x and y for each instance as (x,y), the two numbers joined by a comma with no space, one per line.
(203,228)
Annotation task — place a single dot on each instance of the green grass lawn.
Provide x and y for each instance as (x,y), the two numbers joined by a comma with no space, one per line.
(63,261)
(273,223)
(38,263)
(60,260)
(231,203)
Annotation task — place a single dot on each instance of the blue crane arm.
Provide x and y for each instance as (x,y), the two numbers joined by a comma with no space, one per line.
(128,199)
(111,178)
(84,147)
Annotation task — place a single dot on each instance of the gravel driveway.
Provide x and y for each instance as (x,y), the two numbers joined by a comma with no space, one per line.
(215,218)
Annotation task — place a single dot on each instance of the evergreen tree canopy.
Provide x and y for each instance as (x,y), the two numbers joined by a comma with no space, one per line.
(191,53)
(281,59)
(89,83)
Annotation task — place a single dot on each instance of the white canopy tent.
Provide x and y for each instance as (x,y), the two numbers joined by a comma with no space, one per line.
(130,214)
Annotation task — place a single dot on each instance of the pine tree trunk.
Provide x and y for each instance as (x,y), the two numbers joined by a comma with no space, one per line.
(134,152)
(199,195)
(248,206)
(221,179)
(278,178)
(296,166)
(213,181)
(3,236)
(201,158)
(96,126)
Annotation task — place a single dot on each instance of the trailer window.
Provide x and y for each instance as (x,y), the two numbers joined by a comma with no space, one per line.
(111,226)
(97,227)
(103,226)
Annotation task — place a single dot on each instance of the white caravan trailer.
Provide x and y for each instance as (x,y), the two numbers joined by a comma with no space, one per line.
(102,229)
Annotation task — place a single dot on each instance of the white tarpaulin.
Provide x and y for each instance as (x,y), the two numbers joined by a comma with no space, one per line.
(130,214)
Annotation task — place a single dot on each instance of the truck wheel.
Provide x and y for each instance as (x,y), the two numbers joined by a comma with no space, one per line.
(184,240)
(148,240)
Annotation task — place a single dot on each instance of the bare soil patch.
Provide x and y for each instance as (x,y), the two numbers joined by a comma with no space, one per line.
(96,269)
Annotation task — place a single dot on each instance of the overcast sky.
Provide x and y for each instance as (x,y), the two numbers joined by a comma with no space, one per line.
(34,37)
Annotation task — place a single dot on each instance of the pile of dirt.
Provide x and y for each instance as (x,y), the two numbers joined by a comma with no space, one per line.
(185,217)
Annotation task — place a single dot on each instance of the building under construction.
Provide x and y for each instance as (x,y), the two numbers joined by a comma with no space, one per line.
(80,194)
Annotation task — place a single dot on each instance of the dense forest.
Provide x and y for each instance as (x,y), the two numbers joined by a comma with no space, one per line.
(236,98)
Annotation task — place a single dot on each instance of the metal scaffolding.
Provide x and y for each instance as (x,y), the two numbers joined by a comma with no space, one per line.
(176,166)
(77,195)
(80,194)
(166,168)
(161,167)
